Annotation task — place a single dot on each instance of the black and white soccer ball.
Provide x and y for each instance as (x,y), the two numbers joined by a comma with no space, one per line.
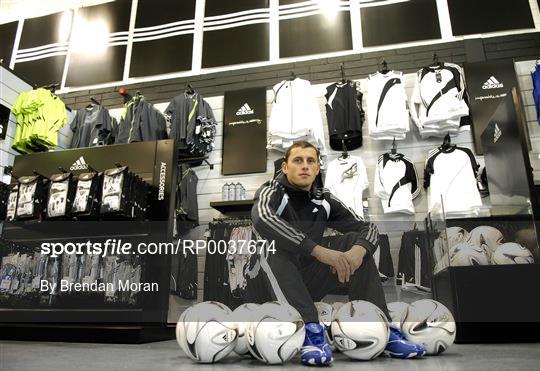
(512,253)
(241,317)
(326,315)
(398,311)
(335,306)
(456,235)
(276,334)
(360,330)
(431,324)
(487,237)
(465,254)
(205,333)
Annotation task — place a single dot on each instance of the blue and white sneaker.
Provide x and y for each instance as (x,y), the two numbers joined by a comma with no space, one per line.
(399,347)
(316,351)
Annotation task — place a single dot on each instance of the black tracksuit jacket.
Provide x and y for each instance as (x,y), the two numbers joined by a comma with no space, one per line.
(296,219)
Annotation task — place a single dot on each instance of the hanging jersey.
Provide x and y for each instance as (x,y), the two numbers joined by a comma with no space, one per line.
(413,263)
(186,278)
(396,183)
(536,89)
(450,175)
(187,209)
(346,179)
(439,99)
(294,116)
(40,115)
(388,116)
(345,115)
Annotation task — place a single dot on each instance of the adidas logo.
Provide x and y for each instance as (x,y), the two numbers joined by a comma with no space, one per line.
(245,110)
(80,164)
(497,134)
(492,83)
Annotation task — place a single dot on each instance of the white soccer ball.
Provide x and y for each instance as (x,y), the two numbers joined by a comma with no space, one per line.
(465,253)
(487,237)
(276,334)
(326,315)
(512,253)
(431,324)
(398,311)
(360,330)
(335,306)
(456,235)
(241,317)
(205,333)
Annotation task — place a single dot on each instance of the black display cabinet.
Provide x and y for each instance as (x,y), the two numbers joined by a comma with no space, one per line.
(498,303)
(88,318)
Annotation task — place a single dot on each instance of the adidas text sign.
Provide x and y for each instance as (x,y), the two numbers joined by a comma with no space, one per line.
(492,83)
(80,164)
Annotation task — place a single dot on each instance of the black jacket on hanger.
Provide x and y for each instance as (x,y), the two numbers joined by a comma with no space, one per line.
(345,115)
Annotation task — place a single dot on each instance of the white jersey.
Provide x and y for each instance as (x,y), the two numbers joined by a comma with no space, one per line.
(396,183)
(346,179)
(439,99)
(388,116)
(450,176)
(295,116)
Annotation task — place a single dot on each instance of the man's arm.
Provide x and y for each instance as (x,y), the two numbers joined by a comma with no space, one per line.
(270,226)
(345,220)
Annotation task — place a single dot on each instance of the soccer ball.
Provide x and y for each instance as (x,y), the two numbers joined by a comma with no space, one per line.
(456,235)
(276,333)
(326,314)
(360,330)
(465,253)
(335,307)
(398,311)
(205,333)
(512,253)
(489,238)
(431,324)
(241,316)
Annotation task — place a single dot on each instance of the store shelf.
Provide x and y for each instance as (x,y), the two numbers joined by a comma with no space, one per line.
(242,207)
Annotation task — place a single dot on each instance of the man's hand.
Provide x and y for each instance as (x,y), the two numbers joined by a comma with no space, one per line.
(335,259)
(355,257)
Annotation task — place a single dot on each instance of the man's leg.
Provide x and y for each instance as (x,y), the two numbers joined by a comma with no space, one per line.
(282,276)
(365,283)
(282,281)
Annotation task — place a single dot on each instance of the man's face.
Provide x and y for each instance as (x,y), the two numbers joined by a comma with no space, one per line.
(302,167)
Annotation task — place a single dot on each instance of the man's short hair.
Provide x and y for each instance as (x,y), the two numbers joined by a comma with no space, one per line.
(301,144)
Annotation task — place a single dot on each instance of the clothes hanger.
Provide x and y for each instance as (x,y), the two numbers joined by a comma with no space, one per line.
(436,62)
(383,68)
(342,69)
(344,154)
(188,89)
(447,143)
(93,102)
(393,151)
(293,76)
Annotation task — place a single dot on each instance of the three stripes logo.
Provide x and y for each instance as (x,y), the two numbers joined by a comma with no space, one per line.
(497,134)
(492,83)
(80,164)
(245,110)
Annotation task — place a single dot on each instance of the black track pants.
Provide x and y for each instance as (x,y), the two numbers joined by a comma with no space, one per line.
(301,282)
